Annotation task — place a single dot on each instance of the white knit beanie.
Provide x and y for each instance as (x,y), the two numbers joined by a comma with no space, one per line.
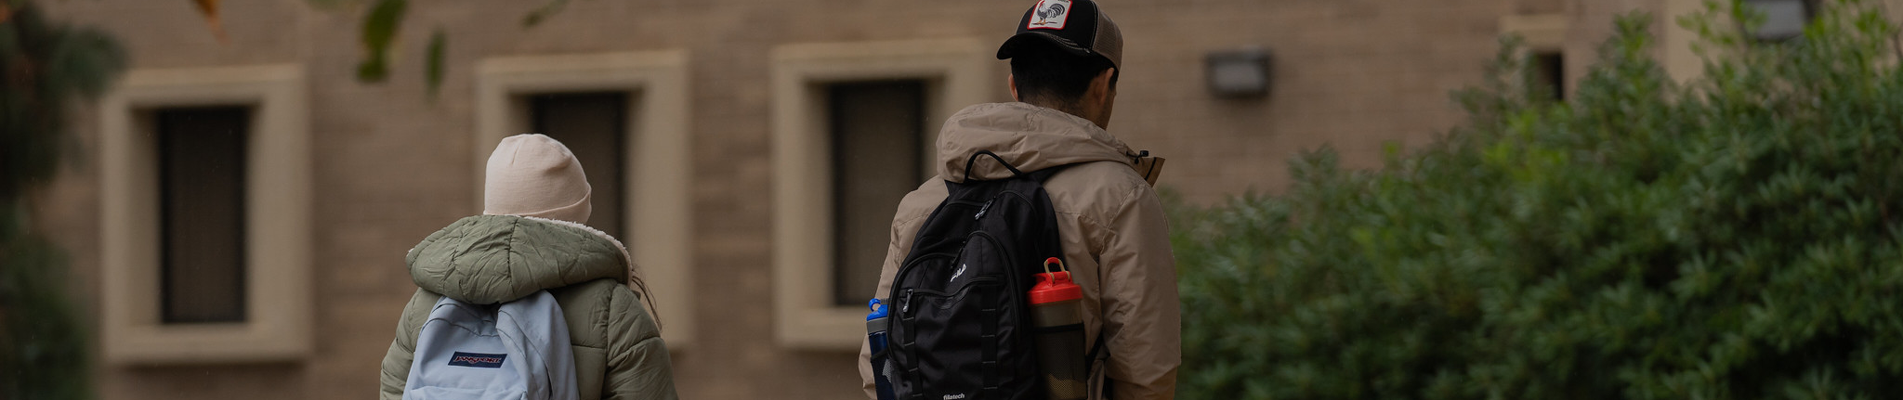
(535,176)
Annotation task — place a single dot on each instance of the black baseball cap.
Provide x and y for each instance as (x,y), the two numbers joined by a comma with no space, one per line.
(1073,26)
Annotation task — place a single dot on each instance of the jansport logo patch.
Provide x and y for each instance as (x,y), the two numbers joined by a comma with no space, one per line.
(478,360)
(1049,14)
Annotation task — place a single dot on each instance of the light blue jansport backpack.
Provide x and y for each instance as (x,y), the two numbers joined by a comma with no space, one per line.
(515,350)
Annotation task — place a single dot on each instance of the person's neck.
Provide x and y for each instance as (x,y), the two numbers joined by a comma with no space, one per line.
(1071,109)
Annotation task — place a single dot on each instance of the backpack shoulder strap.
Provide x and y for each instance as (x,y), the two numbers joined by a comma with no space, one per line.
(534,328)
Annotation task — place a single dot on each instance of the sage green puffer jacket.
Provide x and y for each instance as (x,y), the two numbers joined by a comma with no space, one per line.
(488,259)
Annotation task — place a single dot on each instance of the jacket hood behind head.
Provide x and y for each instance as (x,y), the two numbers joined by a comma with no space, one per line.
(488,259)
(1030,137)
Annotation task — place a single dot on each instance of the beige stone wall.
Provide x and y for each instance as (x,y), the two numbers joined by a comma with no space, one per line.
(391,165)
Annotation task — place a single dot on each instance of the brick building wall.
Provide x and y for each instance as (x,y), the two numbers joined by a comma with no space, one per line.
(391,165)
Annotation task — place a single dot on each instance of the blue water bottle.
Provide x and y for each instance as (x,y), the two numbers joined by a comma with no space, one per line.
(876,323)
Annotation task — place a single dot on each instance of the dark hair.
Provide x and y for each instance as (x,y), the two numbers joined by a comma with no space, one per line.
(1055,77)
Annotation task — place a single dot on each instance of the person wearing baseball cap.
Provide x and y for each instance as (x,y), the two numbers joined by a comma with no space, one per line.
(1066,56)
(1069,52)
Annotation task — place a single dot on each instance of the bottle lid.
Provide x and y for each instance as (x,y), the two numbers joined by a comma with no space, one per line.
(1055,287)
(878,310)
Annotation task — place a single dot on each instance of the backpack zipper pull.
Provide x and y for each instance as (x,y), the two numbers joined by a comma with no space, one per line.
(981,210)
(907,304)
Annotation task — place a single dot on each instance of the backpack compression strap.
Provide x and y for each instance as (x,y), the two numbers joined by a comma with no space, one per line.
(969,162)
(1039,175)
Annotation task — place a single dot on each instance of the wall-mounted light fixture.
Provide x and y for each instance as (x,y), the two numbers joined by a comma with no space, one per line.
(1783,19)
(1238,73)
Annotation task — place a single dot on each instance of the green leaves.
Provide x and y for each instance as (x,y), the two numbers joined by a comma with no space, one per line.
(1732,237)
(45,67)
(383,23)
(380,28)
(433,66)
(541,13)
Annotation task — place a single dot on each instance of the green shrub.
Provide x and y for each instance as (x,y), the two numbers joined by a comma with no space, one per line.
(1736,236)
(45,67)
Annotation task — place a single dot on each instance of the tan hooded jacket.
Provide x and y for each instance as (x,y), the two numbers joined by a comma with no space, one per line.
(1114,233)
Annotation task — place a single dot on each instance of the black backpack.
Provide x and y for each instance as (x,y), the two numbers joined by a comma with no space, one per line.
(961,328)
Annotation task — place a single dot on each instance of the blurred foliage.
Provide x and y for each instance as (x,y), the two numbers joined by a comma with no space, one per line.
(385,19)
(379,31)
(45,68)
(382,24)
(542,13)
(433,64)
(1732,237)
(209,8)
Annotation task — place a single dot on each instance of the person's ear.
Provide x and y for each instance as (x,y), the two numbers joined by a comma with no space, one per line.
(1012,81)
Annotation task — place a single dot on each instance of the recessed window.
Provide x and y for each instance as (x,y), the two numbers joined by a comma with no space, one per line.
(1549,69)
(202,202)
(1545,40)
(594,127)
(852,126)
(878,142)
(205,217)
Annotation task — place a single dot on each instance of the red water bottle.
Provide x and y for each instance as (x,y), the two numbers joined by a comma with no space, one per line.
(1058,312)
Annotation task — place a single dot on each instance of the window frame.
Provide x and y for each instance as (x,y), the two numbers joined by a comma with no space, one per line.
(278,235)
(957,73)
(659,155)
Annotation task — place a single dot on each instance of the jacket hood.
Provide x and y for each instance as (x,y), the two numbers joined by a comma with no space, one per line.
(1029,137)
(488,259)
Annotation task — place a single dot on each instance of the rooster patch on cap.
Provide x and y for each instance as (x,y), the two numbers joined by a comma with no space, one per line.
(1051,14)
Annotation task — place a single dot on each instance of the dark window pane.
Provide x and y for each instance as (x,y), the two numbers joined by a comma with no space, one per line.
(878,138)
(1783,19)
(593,126)
(1551,68)
(202,196)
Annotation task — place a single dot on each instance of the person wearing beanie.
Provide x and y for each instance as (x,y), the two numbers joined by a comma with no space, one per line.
(532,237)
(532,175)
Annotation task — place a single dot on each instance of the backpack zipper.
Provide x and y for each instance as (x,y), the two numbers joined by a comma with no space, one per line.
(906,269)
(905,305)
